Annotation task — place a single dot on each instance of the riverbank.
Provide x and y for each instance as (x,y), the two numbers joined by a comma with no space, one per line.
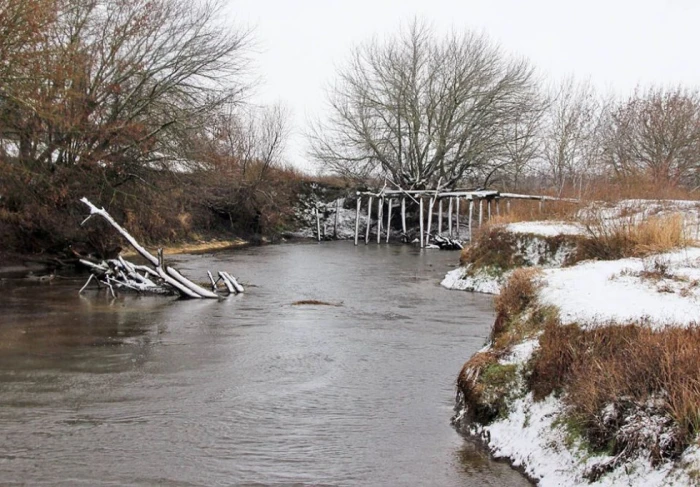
(591,374)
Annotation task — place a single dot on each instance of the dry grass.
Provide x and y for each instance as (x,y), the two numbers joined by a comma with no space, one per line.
(629,237)
(612,373)
(530,210)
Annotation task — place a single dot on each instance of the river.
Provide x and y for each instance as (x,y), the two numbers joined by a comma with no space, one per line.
(250,390)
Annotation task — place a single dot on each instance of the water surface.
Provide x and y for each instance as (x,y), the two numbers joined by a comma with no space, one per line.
(250,390)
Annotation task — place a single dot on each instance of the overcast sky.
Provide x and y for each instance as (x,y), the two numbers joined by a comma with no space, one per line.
(617,44)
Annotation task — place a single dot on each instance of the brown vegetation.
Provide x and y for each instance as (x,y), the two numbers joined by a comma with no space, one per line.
(612,373)
(633,237)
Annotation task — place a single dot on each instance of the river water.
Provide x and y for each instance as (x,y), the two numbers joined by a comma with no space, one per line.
(250,390)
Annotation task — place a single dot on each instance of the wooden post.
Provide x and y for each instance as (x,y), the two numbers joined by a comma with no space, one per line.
(498,207)
(471,216)
(449,217)
(318,224)
(369,219)
(403,215)
(357,218)
(481,212)
(508,206)
(431,202)
(439,229)
(335,224)
(541,204)
(457,211)
(421,223)
(380,217)
(488,207)
(388,219)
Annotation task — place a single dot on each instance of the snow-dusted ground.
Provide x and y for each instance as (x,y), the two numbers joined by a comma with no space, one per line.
(625,290)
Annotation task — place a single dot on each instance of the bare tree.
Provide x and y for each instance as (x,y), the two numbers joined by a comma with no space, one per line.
(121,83)
(571,134)
(656,135)
(422,109)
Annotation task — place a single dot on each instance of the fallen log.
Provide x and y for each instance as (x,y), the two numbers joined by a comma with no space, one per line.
(159,279)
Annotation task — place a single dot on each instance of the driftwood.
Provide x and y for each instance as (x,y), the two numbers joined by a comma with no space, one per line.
(157,279)
(445,243)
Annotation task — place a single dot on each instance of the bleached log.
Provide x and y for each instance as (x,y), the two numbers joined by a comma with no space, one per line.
(239,289)
(190,285)
(103,213)
(227,283)
(122,274)
(213,282)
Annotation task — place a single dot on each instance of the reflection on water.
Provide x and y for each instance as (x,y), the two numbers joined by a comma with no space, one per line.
(250,390)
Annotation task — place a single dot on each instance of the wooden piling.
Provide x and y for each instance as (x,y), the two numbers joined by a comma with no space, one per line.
(488,209)
(498,207)
(431,202)
(335,224)
(357,219)
(471,216)
(380,218)
(403,216)
(369,219)
(439,229)
(388,219)
(318,224)
(481,212)
(449,217)
(457,219)
(421,224)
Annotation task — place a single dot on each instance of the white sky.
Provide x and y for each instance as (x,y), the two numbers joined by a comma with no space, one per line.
(617,44)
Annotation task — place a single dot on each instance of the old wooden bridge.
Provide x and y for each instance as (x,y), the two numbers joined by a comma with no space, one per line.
(482,205)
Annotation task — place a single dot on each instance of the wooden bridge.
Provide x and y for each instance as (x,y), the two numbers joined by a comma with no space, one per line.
(426,201)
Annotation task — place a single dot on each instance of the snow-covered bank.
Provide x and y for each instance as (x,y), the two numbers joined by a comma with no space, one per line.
(543,435)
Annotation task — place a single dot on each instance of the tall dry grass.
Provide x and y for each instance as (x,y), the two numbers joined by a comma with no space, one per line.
(631,236)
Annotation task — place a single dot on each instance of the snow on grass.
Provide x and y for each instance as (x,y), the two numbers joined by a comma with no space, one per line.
(533,437)
(626,290)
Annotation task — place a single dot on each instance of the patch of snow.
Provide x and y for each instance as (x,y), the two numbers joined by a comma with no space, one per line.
(481,282)
(592,293)
(547,228)
(521,352)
